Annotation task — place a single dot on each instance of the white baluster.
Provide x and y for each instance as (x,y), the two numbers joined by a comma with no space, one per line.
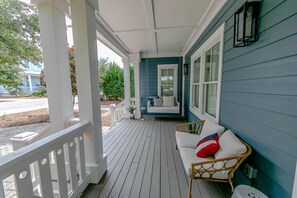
(24,183)
(72,163)
(61,173)
(82,160)
(2,194)
(45,177)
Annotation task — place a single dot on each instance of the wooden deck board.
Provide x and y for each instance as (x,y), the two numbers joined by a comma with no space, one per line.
(143,162)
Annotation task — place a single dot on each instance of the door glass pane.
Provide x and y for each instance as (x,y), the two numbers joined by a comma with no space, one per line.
(195,95)
(196,75)
(211,99)
(212,63)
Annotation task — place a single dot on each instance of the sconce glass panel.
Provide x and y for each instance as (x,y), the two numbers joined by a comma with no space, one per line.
(245,24)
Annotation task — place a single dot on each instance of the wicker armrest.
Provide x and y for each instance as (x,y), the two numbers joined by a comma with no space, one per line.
(191,127)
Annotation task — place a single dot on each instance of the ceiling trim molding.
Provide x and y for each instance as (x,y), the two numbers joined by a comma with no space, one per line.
(106,35)
(212,11)
(160,55)
(174,27)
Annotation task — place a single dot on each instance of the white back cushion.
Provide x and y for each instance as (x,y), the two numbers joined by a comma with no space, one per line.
(184,139)
(168,101)
(230,146)
(210,127)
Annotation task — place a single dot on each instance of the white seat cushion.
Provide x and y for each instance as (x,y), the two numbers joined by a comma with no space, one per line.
(188,156)
(210,127)
(184,139)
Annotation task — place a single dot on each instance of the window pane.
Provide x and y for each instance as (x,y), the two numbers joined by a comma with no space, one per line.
(167,77)
(211,99)
(195,95)
(196,75)
(170,72)
(167,90)
(212,63)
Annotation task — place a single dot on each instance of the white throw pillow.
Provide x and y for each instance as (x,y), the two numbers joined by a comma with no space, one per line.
(168,101)
(230,146)
(158,102)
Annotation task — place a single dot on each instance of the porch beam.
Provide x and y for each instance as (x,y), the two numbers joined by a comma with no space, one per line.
(126,62)
(150,17)
(135,60)
(86,61)
(56,61)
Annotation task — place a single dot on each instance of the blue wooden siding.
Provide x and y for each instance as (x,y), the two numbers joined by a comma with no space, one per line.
(259,92)
(148,72)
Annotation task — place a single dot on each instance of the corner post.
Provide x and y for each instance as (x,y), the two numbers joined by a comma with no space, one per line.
(86,61)
(135,60)
(126,85)
(56,61)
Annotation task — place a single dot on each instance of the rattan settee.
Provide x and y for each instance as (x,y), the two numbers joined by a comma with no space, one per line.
(219,168)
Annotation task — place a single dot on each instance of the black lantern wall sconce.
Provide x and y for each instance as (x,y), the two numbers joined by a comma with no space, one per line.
(245,24)
(186,69)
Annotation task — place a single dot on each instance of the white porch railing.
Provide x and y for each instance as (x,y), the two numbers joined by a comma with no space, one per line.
(117,111)
(52,167)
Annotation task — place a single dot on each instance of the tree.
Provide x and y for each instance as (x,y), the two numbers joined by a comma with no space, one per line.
(42,76)
(11,77)
(103,65)
(19,41)
(19,38)
(72,73)
(113,82)
(132,85)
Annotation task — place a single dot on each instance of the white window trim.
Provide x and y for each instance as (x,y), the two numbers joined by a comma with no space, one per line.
(169,66)
(216,37)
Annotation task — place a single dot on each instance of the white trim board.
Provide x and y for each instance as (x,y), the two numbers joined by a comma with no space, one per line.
(168,66)
(216,37)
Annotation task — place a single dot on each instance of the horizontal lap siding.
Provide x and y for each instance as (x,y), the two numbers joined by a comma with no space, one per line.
(259,91)
(149,77)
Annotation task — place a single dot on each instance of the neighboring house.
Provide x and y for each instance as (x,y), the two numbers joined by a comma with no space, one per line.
(250,90)
(32,80)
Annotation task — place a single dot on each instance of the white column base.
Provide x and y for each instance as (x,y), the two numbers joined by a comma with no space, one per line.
(97,170)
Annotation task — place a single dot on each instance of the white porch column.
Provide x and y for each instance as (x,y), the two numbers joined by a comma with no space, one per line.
(126,84)
(30,83)
(56,61)
(135,60)
(86,61)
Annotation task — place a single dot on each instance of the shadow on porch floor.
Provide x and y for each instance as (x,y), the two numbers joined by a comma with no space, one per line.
(143,162)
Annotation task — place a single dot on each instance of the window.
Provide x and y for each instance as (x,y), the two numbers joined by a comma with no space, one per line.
(167,80)
(196,83)
(206,66)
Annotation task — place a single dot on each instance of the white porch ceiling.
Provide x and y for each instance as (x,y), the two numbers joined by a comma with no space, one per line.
(156,27)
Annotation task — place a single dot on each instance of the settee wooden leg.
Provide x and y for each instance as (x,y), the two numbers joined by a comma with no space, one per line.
(190,187)
(231,184)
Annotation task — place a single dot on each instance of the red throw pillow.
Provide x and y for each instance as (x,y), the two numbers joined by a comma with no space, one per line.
(208,146)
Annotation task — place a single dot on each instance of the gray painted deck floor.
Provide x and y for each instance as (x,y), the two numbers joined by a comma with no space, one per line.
(143,162)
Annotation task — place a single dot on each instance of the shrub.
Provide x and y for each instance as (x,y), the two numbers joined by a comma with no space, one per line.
(39,93)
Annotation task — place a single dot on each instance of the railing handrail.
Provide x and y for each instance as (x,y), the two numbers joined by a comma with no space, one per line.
(120,104)
(24,155)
